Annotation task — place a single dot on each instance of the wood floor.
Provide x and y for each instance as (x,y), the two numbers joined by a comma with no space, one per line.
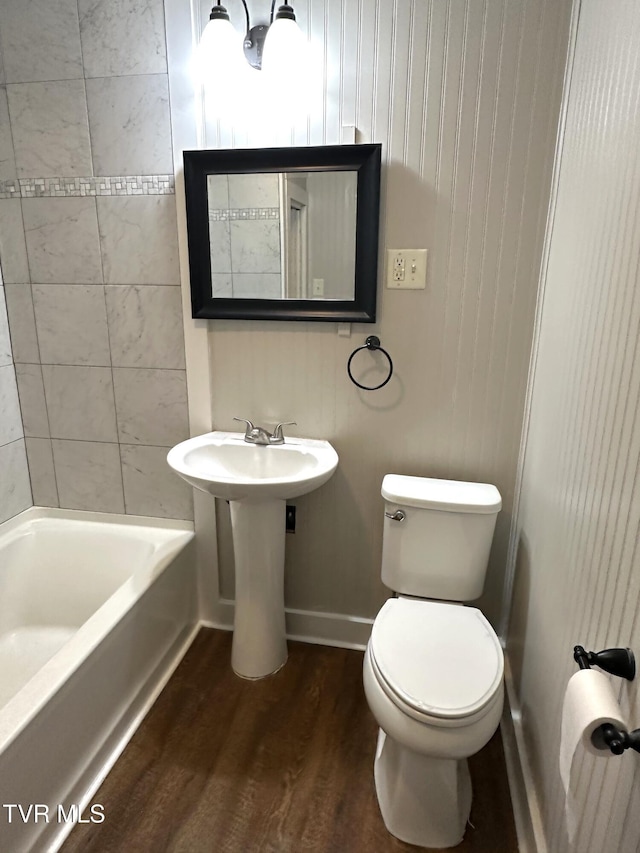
(284,764)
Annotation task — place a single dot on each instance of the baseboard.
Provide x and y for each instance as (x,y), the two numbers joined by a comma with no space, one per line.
(526,809)
(328,629)
(309,626)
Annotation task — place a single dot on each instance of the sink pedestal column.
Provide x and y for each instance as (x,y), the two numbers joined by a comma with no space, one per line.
(259,640)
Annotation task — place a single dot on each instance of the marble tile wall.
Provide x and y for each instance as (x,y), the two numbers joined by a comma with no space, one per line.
(244,231)
(88,246)
(15,489)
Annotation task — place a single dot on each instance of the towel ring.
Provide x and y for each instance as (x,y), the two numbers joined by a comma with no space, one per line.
(371,343)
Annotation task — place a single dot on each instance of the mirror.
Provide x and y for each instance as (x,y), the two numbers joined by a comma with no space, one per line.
(269,234)
(284,233)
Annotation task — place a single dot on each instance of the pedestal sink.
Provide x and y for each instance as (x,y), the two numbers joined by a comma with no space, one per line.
(257,481)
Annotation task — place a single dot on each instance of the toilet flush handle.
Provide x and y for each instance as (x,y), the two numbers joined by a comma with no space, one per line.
(398,515)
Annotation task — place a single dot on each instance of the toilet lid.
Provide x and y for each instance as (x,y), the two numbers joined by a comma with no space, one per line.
(443,660)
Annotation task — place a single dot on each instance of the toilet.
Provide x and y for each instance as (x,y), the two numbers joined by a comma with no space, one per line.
(433,668)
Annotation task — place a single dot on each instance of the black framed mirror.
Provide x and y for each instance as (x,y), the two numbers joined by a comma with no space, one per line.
(284,233)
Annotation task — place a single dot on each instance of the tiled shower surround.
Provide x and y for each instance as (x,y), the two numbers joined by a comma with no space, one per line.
(88,246)
(15,492)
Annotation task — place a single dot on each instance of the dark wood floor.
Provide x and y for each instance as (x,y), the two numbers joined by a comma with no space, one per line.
(284,764)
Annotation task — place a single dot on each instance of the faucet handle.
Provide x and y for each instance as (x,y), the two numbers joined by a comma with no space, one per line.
(250,426)
(277,433)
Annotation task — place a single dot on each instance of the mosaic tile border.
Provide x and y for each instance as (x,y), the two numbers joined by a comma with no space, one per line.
(223,215)
(9,189)
(113,185)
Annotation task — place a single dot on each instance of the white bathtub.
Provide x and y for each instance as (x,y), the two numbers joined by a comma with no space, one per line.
(95,613)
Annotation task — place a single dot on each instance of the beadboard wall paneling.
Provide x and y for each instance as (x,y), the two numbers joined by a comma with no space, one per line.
(577,576)
(331,218)
(464,97)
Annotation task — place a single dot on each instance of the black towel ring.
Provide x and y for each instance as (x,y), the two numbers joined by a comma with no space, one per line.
(372,343)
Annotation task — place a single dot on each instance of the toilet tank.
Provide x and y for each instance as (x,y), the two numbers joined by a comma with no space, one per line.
(440,549)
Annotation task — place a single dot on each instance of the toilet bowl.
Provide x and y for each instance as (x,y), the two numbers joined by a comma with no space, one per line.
(433,668)
(433,678)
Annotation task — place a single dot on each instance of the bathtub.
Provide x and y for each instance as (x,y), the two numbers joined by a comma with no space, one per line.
(95,613)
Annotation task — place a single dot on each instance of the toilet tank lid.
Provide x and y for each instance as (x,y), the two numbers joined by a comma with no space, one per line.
(444,495)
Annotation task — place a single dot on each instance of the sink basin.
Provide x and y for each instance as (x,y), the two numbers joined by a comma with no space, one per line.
(256,480)
(228,467)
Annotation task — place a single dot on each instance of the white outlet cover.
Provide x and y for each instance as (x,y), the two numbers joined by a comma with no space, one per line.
(414,262)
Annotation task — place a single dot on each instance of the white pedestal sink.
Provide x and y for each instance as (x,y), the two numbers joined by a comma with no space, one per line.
(257,480)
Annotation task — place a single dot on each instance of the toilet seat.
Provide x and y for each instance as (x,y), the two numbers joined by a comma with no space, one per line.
(441,663)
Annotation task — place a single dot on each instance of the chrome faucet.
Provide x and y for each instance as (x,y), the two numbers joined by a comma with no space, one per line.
(259,435)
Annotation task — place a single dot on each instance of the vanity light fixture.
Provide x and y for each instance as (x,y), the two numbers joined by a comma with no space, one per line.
(273,40)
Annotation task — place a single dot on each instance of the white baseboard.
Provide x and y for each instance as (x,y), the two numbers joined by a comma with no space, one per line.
(526,809)
(309,626)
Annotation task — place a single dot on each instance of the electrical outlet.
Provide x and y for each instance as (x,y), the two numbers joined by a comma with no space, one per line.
(318,287)
(406,269)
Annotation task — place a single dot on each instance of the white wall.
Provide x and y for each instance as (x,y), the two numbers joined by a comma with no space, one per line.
(332,221)
(577,577)
(464,97)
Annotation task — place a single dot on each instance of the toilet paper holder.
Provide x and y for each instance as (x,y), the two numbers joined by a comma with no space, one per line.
(620,662)
(618,739)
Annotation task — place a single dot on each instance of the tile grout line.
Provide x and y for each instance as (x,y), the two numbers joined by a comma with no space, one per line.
(113,385)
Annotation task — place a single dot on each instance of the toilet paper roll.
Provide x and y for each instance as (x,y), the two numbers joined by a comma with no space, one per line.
(589,702)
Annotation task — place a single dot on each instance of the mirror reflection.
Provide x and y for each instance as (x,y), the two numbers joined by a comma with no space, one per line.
(283,235)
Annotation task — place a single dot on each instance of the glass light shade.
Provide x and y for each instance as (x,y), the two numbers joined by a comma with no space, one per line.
(222,70)
(219,53)
(285,66)
(284,48)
